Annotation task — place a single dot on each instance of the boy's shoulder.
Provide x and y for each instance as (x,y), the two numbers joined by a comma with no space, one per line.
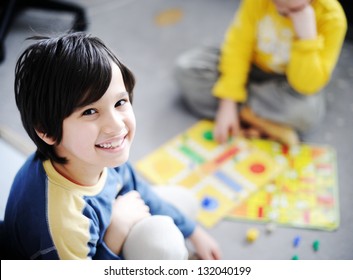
(32,164)
(32,171)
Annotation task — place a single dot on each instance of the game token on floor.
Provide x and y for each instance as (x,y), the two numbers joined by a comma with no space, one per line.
(252,235)
(296,241)
(316,245)
(270,227)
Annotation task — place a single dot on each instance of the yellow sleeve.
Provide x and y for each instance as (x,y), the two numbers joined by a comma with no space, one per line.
(236,54)
(313,61)
(69,229)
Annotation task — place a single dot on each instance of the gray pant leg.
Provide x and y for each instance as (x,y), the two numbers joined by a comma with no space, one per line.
(196,72)
(269,95)
(277,101)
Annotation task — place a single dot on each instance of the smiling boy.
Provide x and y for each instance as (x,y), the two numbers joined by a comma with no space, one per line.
(77,197)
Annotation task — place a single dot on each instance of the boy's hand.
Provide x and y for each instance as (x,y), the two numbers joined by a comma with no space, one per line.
(227,121)
(127,210)
(205,246)
(304,22)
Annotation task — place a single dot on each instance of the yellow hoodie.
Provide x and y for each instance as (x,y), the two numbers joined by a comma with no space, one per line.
(260,35)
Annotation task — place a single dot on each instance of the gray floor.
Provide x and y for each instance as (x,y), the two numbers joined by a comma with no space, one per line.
(150,50)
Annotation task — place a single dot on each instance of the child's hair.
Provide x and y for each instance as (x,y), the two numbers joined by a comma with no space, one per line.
(55,76)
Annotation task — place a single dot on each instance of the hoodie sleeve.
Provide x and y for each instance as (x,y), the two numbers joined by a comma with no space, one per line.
(157,206)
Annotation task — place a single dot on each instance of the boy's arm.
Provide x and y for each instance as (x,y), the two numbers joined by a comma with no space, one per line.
(312,60)
(82,242)
(127,210)
(205,246)
(236,54)
(153,201)
(98,249)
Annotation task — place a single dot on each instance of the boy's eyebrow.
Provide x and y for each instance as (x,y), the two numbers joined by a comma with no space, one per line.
(123,93)
(120,94)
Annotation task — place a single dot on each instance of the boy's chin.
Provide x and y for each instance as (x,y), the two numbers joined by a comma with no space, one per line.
(119,162)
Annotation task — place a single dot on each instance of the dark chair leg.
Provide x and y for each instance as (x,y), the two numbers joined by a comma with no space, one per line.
(6,19)
(2,52)
(11,7)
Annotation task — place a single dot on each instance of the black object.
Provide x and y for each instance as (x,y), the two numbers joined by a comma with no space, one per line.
(4,245)
(10,9)
(348,9)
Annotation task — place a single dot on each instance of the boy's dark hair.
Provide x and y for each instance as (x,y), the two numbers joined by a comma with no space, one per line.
(55,76)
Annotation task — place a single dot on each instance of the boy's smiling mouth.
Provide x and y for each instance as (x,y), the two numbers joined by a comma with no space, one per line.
(112,144)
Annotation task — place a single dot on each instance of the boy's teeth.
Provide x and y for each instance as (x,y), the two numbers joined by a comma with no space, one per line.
(110,145)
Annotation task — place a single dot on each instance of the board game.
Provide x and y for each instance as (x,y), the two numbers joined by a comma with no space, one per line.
(305,194)
(257,180)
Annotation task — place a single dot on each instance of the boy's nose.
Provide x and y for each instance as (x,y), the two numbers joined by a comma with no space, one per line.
(113,122)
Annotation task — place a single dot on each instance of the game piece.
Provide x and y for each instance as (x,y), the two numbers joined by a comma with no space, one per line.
(295,257)
(316,245)
(214,206)
(252,234)
(296,241)
(208,135)
(209,203)
(270,227)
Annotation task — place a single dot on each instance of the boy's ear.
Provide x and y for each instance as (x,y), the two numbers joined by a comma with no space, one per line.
(45,138)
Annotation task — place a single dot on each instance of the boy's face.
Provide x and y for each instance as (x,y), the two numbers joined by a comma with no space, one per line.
(100,134)
(285,7)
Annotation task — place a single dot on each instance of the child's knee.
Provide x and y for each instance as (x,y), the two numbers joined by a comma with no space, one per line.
(197,70)
(155,238)
(307,121)
(306,124)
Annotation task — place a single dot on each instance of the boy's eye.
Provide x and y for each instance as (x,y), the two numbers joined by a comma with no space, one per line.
(121,102)
(89,112)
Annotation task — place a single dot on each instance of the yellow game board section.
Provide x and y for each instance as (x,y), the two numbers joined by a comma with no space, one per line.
(214,205)
(160,167)
(191,180)
(258,168)
(201,133)
(304,195)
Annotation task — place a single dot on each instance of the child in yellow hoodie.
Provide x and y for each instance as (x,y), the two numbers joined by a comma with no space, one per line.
(276,59)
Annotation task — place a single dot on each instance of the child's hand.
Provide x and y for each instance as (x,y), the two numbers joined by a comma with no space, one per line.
(127,210)
(304,23)
(227,121)
(205,246)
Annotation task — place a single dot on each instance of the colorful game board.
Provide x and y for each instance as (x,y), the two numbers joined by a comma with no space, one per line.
(221,176)
(257,180)
(304,195)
